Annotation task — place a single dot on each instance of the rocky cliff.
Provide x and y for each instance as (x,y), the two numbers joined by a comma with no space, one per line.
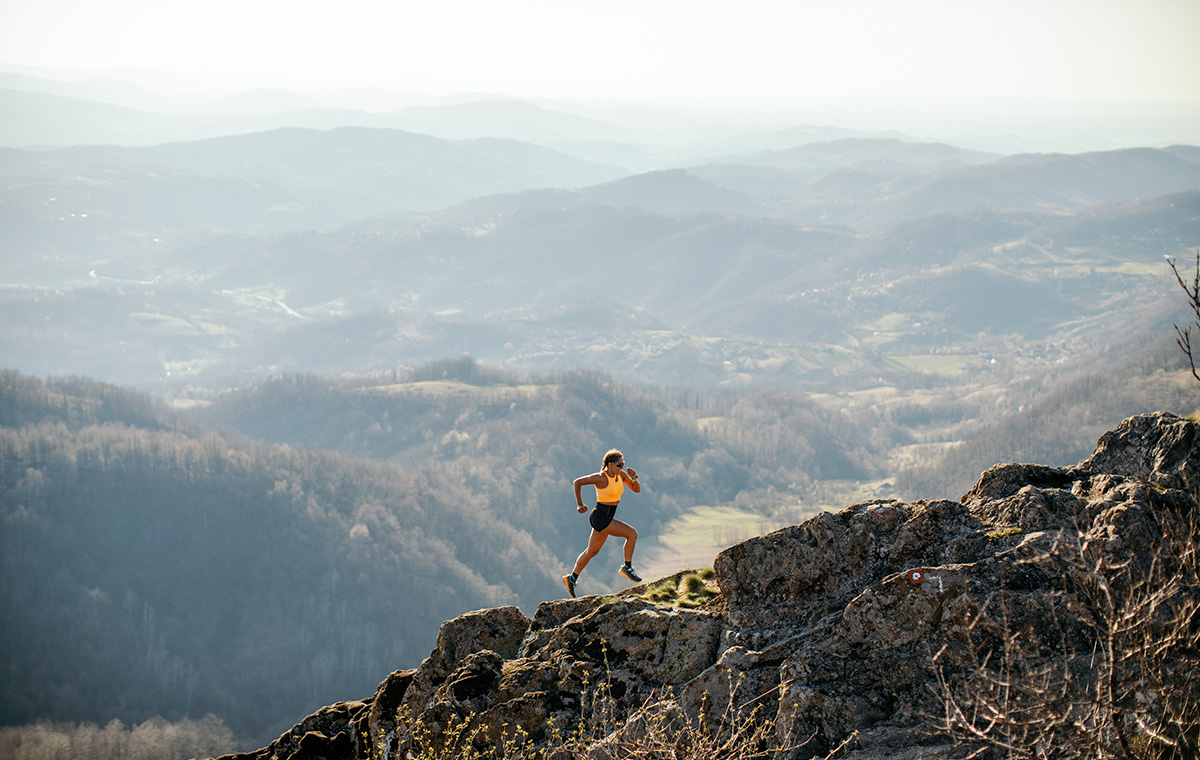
(888,630)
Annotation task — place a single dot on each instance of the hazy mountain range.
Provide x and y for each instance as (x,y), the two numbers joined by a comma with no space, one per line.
(363,248)
(40,112)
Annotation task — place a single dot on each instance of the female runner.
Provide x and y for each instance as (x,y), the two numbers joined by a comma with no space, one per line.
(610,483)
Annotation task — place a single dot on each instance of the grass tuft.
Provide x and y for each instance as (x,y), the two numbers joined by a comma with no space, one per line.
(689,589)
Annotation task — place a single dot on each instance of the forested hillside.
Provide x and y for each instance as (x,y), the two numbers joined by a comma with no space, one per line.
(279,547)
(457,410)
(153,566)
(152,570)
(768,451)
(1061,428)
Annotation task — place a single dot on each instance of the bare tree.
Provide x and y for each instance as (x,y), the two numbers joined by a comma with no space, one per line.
(1184,335)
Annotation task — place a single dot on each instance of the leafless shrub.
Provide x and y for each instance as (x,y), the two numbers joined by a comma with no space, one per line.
(1107,666)
(657,730)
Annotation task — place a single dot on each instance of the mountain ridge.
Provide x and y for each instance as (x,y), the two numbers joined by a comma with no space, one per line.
(860,632)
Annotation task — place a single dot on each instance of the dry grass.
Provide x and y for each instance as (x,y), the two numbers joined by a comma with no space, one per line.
(658,730)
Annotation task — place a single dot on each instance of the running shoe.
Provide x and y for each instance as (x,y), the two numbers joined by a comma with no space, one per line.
(627,571)
(569,582)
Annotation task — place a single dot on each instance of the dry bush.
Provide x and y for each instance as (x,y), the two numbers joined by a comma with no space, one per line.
(658,730)
(1106,667)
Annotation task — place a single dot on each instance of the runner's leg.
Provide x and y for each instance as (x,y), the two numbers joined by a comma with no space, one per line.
(626,531)
(595,541)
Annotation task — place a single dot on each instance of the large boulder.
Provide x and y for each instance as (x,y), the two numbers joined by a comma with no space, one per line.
(848,631)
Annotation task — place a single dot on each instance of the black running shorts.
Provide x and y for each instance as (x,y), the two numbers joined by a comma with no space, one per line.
(601,516)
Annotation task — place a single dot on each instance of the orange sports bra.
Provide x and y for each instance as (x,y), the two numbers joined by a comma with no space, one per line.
(611,493)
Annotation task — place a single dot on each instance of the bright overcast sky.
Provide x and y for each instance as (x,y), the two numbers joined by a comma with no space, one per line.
(735,52)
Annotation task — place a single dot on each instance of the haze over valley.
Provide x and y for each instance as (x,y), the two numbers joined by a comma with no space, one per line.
(297,369)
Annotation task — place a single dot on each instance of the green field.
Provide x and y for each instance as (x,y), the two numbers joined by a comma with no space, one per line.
(715,527)
(938,364)
(696,537)
(442,388)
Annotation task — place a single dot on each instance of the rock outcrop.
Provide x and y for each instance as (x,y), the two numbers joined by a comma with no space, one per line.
(846,628)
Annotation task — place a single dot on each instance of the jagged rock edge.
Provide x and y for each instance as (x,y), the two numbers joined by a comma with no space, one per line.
(834,615)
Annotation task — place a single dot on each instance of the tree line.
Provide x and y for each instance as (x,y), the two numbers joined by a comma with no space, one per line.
(153,739)
(1062,426)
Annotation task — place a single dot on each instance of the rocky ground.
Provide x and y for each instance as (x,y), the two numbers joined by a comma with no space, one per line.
(887,630)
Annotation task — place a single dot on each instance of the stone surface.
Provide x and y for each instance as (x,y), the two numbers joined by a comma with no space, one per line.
(837,627)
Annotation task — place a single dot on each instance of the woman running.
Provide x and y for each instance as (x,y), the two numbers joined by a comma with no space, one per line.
(610,483)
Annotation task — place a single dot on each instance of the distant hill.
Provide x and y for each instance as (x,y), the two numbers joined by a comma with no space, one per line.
(815,159)
(51,113)
(402,166)
(669,192)
(872,184)
(504,118)
(263,182)
(1049,182)
(111,91)
(1125,231)
(258,102)
(57,117)
(42,119)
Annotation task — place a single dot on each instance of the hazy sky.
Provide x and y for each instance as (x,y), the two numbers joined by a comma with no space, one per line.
(739,52)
